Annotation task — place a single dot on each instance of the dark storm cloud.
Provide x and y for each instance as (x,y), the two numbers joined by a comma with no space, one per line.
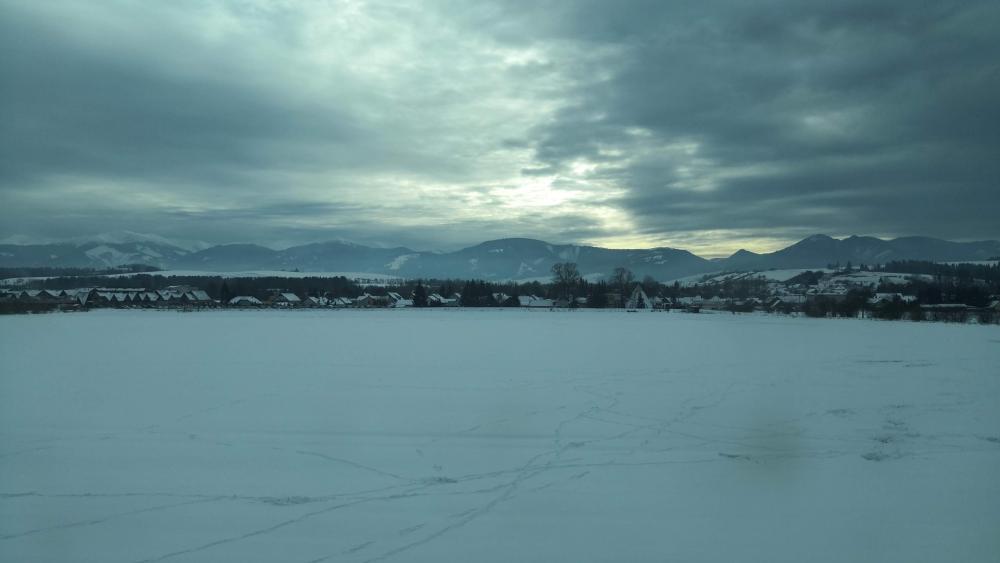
(72,108)
(442,123)
(807,116)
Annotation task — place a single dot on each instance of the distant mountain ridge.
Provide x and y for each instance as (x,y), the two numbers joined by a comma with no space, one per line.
(820,250)
(510,258)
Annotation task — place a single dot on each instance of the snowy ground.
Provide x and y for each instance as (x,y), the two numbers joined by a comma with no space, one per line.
(461,435)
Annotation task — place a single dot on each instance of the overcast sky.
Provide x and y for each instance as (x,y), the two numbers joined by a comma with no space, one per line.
(700,125)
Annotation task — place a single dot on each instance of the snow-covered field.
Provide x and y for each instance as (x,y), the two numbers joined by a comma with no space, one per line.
(463,435)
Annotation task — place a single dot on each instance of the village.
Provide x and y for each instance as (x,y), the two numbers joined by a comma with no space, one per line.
(842,293)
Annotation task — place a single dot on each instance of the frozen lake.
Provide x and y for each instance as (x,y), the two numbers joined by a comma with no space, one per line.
(298,436)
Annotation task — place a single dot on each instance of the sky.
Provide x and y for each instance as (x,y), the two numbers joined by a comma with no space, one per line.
(709,126)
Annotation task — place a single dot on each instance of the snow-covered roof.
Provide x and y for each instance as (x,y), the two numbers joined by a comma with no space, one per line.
(244,299)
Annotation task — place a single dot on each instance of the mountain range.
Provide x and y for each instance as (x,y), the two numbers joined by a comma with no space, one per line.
(511,258)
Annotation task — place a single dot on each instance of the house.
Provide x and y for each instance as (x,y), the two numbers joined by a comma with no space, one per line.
(437,300)
(368,300)
(638,299)
(311,301)
(199,296)
(50,297)
(245,301)
(28,295)
(195,298)
(170,296)
(397,301)
(83,296)
(341,302)
(534,301)
(39,300)
(286,299)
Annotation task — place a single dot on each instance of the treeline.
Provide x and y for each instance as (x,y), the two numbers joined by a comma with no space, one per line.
(45,271)
(217,287)
(971,284)
(985,273)
(946,290)
(857,303)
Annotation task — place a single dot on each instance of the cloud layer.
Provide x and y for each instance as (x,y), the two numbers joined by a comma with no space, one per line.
(702,125)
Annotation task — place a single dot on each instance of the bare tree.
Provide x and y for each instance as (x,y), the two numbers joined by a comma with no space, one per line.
(622,278)
(565,275)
